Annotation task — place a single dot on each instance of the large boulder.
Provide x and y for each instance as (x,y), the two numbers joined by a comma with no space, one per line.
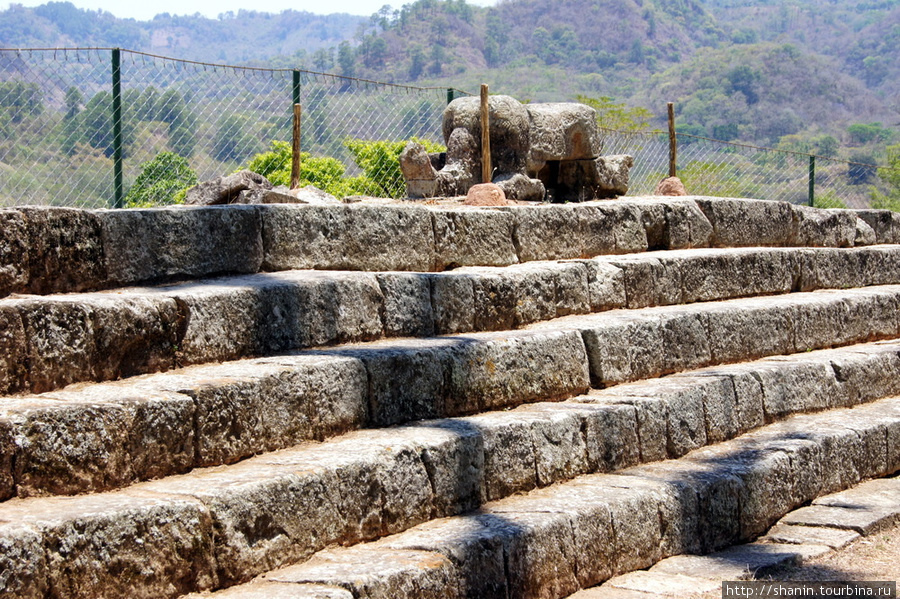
(562,131)
(510,130)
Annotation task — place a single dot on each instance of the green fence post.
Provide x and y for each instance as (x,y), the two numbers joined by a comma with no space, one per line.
(296,87)
(449,95)
(117,128)
(812,180)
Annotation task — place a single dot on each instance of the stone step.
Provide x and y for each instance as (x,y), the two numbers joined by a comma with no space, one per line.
(551,542)
(52,250)
(51,341)
(208,415)
(832,522)
(218,526)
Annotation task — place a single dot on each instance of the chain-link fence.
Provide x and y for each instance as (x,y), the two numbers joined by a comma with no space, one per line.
(725,169)
(78,126)
(100,127)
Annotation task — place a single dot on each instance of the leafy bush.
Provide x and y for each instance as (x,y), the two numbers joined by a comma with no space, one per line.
(162,181)
(379,160)
(617,116)
(828,199)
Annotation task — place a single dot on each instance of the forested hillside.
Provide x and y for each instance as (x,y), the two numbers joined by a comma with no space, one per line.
(754,70)
(233,38)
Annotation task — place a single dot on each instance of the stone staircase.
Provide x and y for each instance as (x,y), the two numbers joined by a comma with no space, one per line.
(422,401)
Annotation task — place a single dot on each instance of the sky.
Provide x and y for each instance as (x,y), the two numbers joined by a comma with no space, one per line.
(146,10)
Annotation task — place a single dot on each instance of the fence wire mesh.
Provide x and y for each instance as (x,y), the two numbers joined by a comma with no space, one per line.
(56,120)
(717,168)
(57,135)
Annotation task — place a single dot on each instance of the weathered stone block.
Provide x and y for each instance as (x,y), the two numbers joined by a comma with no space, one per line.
(61,342)
(268,515)
(474,238)
(560,445)
(606,285)
(65,250)
(742,330)
(815,227)
(244,408)
(869,375)
(792,387)
(23,562)
(650,281)
(354,237)
(735,273)
(494,370)
(741,223)
(554,232)
(406,381)
(622,347)
(828,268)
(540,554)
(177,242)
(115,545)
(453,302)
(453,452)
(376,573)
(98,438)
(474,545)
(266,313)
(610,431)
(509,455)
(133,334)
(622,220)
(14,253)
(14,376)
(884,223)
(407,304)
(651,415)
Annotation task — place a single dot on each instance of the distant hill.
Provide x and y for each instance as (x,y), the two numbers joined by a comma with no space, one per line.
(234,38)
(754,70)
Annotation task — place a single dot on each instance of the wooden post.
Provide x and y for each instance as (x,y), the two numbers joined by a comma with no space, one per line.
(485,135)
(295,148)
(673,141)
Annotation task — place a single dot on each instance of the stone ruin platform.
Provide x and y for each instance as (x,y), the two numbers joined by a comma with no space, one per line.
(423,401)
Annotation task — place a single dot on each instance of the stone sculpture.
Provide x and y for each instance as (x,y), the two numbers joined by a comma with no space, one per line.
(538,152)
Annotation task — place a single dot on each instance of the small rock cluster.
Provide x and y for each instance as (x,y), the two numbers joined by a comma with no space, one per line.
(538,152)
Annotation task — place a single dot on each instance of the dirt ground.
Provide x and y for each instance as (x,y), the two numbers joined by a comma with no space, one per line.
(876,557)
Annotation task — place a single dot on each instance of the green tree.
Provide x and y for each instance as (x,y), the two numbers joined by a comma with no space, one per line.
(96,125)
(616,115)
(347,59)
(20,99)
(890,176)
(162,181)
(864,133)
(233,139)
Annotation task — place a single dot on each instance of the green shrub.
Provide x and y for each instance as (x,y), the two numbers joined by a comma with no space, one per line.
(379,160)
(162,181)
(890,176)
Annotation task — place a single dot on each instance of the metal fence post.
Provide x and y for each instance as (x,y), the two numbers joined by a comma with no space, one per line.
(119,188)
(812,180)
(450,95)
(296,88)
(673,140)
